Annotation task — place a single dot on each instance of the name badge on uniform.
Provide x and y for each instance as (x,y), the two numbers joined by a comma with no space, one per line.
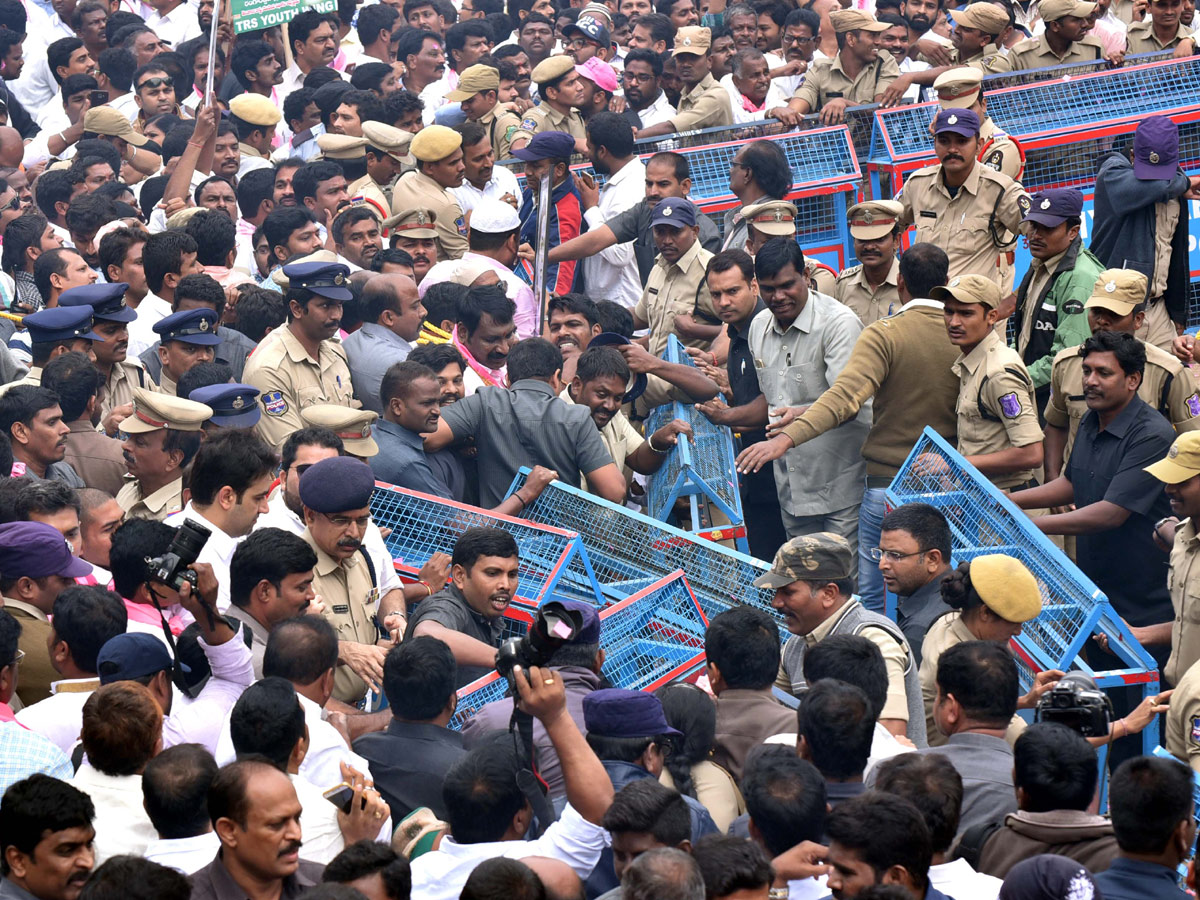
(341,609)
(834,95)
(929,214)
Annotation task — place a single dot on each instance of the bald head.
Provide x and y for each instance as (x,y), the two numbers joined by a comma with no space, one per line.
(392,301)
(557,877)
(11,147)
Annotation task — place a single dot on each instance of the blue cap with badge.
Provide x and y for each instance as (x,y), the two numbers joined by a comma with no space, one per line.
(618,712)
(233,405)
(337,484)
(963,122)
(547,145)
(1054,206)
(35,550)
(106,300)
(330,280)
(637,380)
(674,211)
(60,324)
(192,326)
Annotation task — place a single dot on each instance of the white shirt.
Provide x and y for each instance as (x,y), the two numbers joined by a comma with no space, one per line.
(321,835)
(198,721)
(502,182)
(127,104)
(326,749)
(121,823)
(36,86)
(913,94)
(150,311)
(433,96)
(217,550)
(808,889)
(657,112)
(293,79)
(775,98)
(177,26)
(883,745)
(613,273)
(441,874)
(186,855)
(59,717)
(958,879)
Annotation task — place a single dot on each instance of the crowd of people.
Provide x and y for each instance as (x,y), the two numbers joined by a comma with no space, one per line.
(229,314)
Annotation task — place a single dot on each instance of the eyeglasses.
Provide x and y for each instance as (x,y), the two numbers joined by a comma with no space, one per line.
(153,83)
(794,39)
(345,521)
(13,204)
(16,659)
(639,77)
(893,555)
(577,43)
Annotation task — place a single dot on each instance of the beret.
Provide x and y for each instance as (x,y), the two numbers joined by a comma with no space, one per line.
(337,484)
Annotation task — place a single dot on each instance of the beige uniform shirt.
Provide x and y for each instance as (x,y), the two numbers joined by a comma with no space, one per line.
(995,406)
(162,503)
(1166,385)
(416,190)
(1181,736)
(989,60)
(37,672)
(1166,219)
(124,377)
(619,436)
(869,303)
(943,634)
(826,80)
(1140,38)
(964,225)
(289,380)
(1035,53)
(544,117)
(368,189)
(1183,581)
(1000,153)
(502,126)
(350,599)
(707,105)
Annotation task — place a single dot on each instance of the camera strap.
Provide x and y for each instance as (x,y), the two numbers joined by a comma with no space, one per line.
(176,673)
(521,728)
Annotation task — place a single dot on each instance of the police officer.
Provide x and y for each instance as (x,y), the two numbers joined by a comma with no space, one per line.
(302,365)
(998,430)
(162,436)
(53,332)
(254,118)
(770,219)
(870,288)
(962,88)
(350,152)
(979,220)
(1064,41)
(233,405)
(438,150)
(704,103)
(477,91)
(388,158)
(336,494)
(185,339)
(110,321)
(561,92)
(1117,303)
(977,29)
(353,426)
(415,232)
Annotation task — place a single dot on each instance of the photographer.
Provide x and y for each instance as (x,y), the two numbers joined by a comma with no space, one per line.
(145,659)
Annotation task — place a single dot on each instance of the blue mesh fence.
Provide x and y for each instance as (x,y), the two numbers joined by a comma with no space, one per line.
(982,520)
(422,525)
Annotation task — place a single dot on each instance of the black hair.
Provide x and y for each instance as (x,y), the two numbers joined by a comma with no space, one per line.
(366,858)
(282,221)
(78,83)
(486,241)
(309,177)
(501,877)
(481,794)
(214,234)
(88,211)
(38,804)
(295,103)
(399,104)
(419,678)
(132,542)
(575,303)
(213,178)
(612,132)
(924,266)
(128,877)
(175,784)
(51,188)
(259,311)
(413,39)
(367,103)
(305,23)
(21,404)
(853,659)
(59,54)
(436,356)
(163,255)
(731,864)
(481,299)
(398,380)
(775,255)
(767,163)
(837,723)
(884,831)
(443,301)
(1129,351)
(982,677)
(23,232)
(925,524)
(375,21)
(203,374)
(301,649)
(691,712)
(743,643)
(227,796)
(308,437)
(683,169)
(1055,767)
(10,638)
(267,720)
(352,215)
(235,458)
(614,318)
(85,617)
(665,873)
(785,797)
(1147,799)
(395,257)
(255,187)
(932,784)
(457,34)
(732,259)
(534,358)
(646,807)
(246,56)
(483,541)
(370,76)
(52,262)
(118,66)
(266,554)
(602,362)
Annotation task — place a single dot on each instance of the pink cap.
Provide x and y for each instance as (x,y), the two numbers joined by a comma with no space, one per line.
(599,73)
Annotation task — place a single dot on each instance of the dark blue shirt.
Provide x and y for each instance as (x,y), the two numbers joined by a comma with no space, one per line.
(757,487)
(409,762)
(1128,879)
(1110,465)
(401,461)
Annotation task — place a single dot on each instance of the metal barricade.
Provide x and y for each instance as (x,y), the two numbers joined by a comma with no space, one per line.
(982,520)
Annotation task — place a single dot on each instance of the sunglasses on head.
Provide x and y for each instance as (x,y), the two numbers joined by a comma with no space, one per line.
(153,83)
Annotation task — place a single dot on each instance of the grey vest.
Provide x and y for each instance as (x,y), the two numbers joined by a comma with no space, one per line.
(852,619)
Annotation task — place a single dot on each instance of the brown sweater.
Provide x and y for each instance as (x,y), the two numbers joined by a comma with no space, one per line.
(1080,836)
(904,362)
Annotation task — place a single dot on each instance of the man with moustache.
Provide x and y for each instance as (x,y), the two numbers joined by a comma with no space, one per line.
(46,839)
(870,287)
(413,232)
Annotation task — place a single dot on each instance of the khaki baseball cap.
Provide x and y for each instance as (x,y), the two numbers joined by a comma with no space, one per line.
(474,79)
(1181,462)
(969,289)
(812,557)
(112,123)
(692,39)
(986,17)
(1119,290)
(855,20)
(959,88)
(1006,586)
(874,219)
(1053,10)
(775,217)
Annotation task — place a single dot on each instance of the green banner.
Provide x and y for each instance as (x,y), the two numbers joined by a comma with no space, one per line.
(251,15)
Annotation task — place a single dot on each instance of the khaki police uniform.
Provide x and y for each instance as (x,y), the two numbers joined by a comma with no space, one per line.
(1182,732)
(961,89)
(1036,53)
(416,190)
(704,105)
(350,596)
(989,60)
(502,126)
(1140,38)
(154,411)
(826,80)
(544,117)
(870,303)
(975,226)
(396,143)
(369,191)
(162,503)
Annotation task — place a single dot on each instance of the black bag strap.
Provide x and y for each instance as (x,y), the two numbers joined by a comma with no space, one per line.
(970,845)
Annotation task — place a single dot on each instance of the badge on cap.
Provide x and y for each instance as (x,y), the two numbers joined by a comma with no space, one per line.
(203,326)
(953,120)
(421,217)
(668,211)
(238,402)
(366,429)
(1154,156)
(1045,204)
(1196,729)
(1110,287)
(687,42)
(867,217)
(1172,453)
(779,215)
(954,282)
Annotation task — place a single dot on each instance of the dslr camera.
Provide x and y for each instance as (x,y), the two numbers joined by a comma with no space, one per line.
(553,625)
(1077,703)
(172,567)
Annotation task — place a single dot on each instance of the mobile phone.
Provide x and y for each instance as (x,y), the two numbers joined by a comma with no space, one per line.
(98,98)
(341,796)
(588,178)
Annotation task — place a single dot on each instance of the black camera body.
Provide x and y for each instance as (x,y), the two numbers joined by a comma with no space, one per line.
(553,625)
(171,568)
(1077,703)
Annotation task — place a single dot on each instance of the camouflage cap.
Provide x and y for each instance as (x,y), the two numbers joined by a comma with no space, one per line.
(811,557)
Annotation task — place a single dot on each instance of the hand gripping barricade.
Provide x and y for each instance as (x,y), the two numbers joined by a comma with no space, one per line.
(699,469)
(650,638)
(982,520)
